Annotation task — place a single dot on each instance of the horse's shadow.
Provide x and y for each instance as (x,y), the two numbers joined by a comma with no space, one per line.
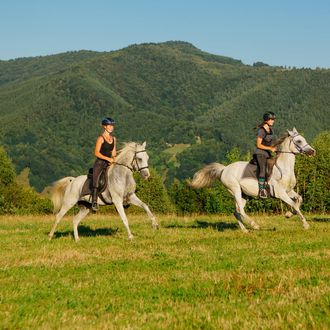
(87,231)
(319,219)
(202,224)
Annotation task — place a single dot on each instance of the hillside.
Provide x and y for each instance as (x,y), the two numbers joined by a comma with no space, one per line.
(172,92)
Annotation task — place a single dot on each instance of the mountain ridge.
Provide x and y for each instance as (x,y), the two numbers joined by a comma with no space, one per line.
(167,92)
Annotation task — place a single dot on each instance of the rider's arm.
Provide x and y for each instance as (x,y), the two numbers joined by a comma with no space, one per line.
(263,147)
(97,149)
(114,151)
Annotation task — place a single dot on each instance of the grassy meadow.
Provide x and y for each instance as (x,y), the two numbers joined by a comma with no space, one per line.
(198,272)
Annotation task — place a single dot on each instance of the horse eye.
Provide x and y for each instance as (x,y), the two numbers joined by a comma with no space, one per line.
(299,141)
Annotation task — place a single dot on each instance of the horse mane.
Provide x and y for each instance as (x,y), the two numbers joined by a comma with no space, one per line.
(280,140)
(125,154)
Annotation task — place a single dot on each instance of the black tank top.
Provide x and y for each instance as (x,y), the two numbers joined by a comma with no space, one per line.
(106,148)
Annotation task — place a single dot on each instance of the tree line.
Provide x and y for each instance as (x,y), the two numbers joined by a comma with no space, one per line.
(313,184)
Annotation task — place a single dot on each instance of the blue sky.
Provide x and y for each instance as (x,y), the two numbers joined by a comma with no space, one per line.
(277,32)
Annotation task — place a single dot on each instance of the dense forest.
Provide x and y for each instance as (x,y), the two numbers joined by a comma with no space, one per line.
(190,106)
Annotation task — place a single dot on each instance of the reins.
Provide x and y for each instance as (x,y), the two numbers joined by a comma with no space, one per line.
(115,163)
(134,159)
(300,151)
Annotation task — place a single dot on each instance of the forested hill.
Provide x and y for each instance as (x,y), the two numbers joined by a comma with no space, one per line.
(166,93)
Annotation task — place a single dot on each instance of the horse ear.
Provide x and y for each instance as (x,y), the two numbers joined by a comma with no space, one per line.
(144,144)
(294,132)
(290,132)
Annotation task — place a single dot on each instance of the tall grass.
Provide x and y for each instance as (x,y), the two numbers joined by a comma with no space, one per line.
(194,273)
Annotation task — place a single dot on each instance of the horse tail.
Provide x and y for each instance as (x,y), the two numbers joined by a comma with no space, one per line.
(206,176)
(57,192)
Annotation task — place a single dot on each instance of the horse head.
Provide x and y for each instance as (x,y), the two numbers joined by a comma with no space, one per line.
(140,160)
(298,144)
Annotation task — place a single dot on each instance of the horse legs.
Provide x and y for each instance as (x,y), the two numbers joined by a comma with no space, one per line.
(240,212)
(297,199)
(65,208)
(118,201)
(58,218)
(240,202)
(136,201)
(286,197)
(76,220)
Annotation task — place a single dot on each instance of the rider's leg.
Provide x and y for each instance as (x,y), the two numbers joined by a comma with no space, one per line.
(261,172)
(97,169)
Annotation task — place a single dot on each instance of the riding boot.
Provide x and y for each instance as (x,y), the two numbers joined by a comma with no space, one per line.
(262,188)
(94,200)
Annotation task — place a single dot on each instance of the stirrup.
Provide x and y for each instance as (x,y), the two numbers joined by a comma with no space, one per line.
(263,194)
(95,207)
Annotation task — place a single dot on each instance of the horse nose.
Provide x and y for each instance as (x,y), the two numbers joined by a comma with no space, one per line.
(145,174)
(311,152)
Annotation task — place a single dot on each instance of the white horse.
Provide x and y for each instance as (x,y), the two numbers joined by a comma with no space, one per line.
(120,188)
(241,177)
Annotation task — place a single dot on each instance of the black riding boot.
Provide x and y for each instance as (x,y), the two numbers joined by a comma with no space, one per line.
(94,200)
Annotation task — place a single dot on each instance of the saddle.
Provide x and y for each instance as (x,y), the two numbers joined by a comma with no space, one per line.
(102,182)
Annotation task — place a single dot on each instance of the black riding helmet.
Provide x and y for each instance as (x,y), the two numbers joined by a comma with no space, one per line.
(108,121)
(269,115)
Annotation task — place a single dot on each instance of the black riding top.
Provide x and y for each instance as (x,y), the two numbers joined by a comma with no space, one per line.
(267,138)
(106,148)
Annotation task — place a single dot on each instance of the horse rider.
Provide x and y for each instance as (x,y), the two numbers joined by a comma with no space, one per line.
(105,153)
(264,150)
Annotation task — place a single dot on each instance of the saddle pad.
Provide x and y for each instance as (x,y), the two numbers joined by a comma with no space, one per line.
(269,170)
(88,185)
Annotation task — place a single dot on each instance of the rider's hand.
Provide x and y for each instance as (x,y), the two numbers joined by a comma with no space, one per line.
(273,149)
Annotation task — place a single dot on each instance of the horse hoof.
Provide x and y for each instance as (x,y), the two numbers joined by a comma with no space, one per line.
(155,226)
(256,227)
(306,225)
(288,214)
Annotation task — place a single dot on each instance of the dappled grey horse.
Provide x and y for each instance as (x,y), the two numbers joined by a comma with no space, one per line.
(120,189)
(240,177)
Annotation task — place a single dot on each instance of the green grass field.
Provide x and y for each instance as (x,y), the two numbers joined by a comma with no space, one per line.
(196,272)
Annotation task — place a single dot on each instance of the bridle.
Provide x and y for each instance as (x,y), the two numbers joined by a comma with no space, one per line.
(136,162)
(137,167)
(300,149)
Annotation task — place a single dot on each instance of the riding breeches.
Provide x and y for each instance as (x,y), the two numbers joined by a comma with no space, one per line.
(98,166)
(261,161)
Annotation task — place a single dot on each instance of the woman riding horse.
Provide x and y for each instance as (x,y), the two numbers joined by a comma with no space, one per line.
(263,150)
(105,153)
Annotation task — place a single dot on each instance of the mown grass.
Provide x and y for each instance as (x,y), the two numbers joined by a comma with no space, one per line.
(196,272)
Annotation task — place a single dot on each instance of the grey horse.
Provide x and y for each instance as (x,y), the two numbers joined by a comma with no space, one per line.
(240,177)
(120,189)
